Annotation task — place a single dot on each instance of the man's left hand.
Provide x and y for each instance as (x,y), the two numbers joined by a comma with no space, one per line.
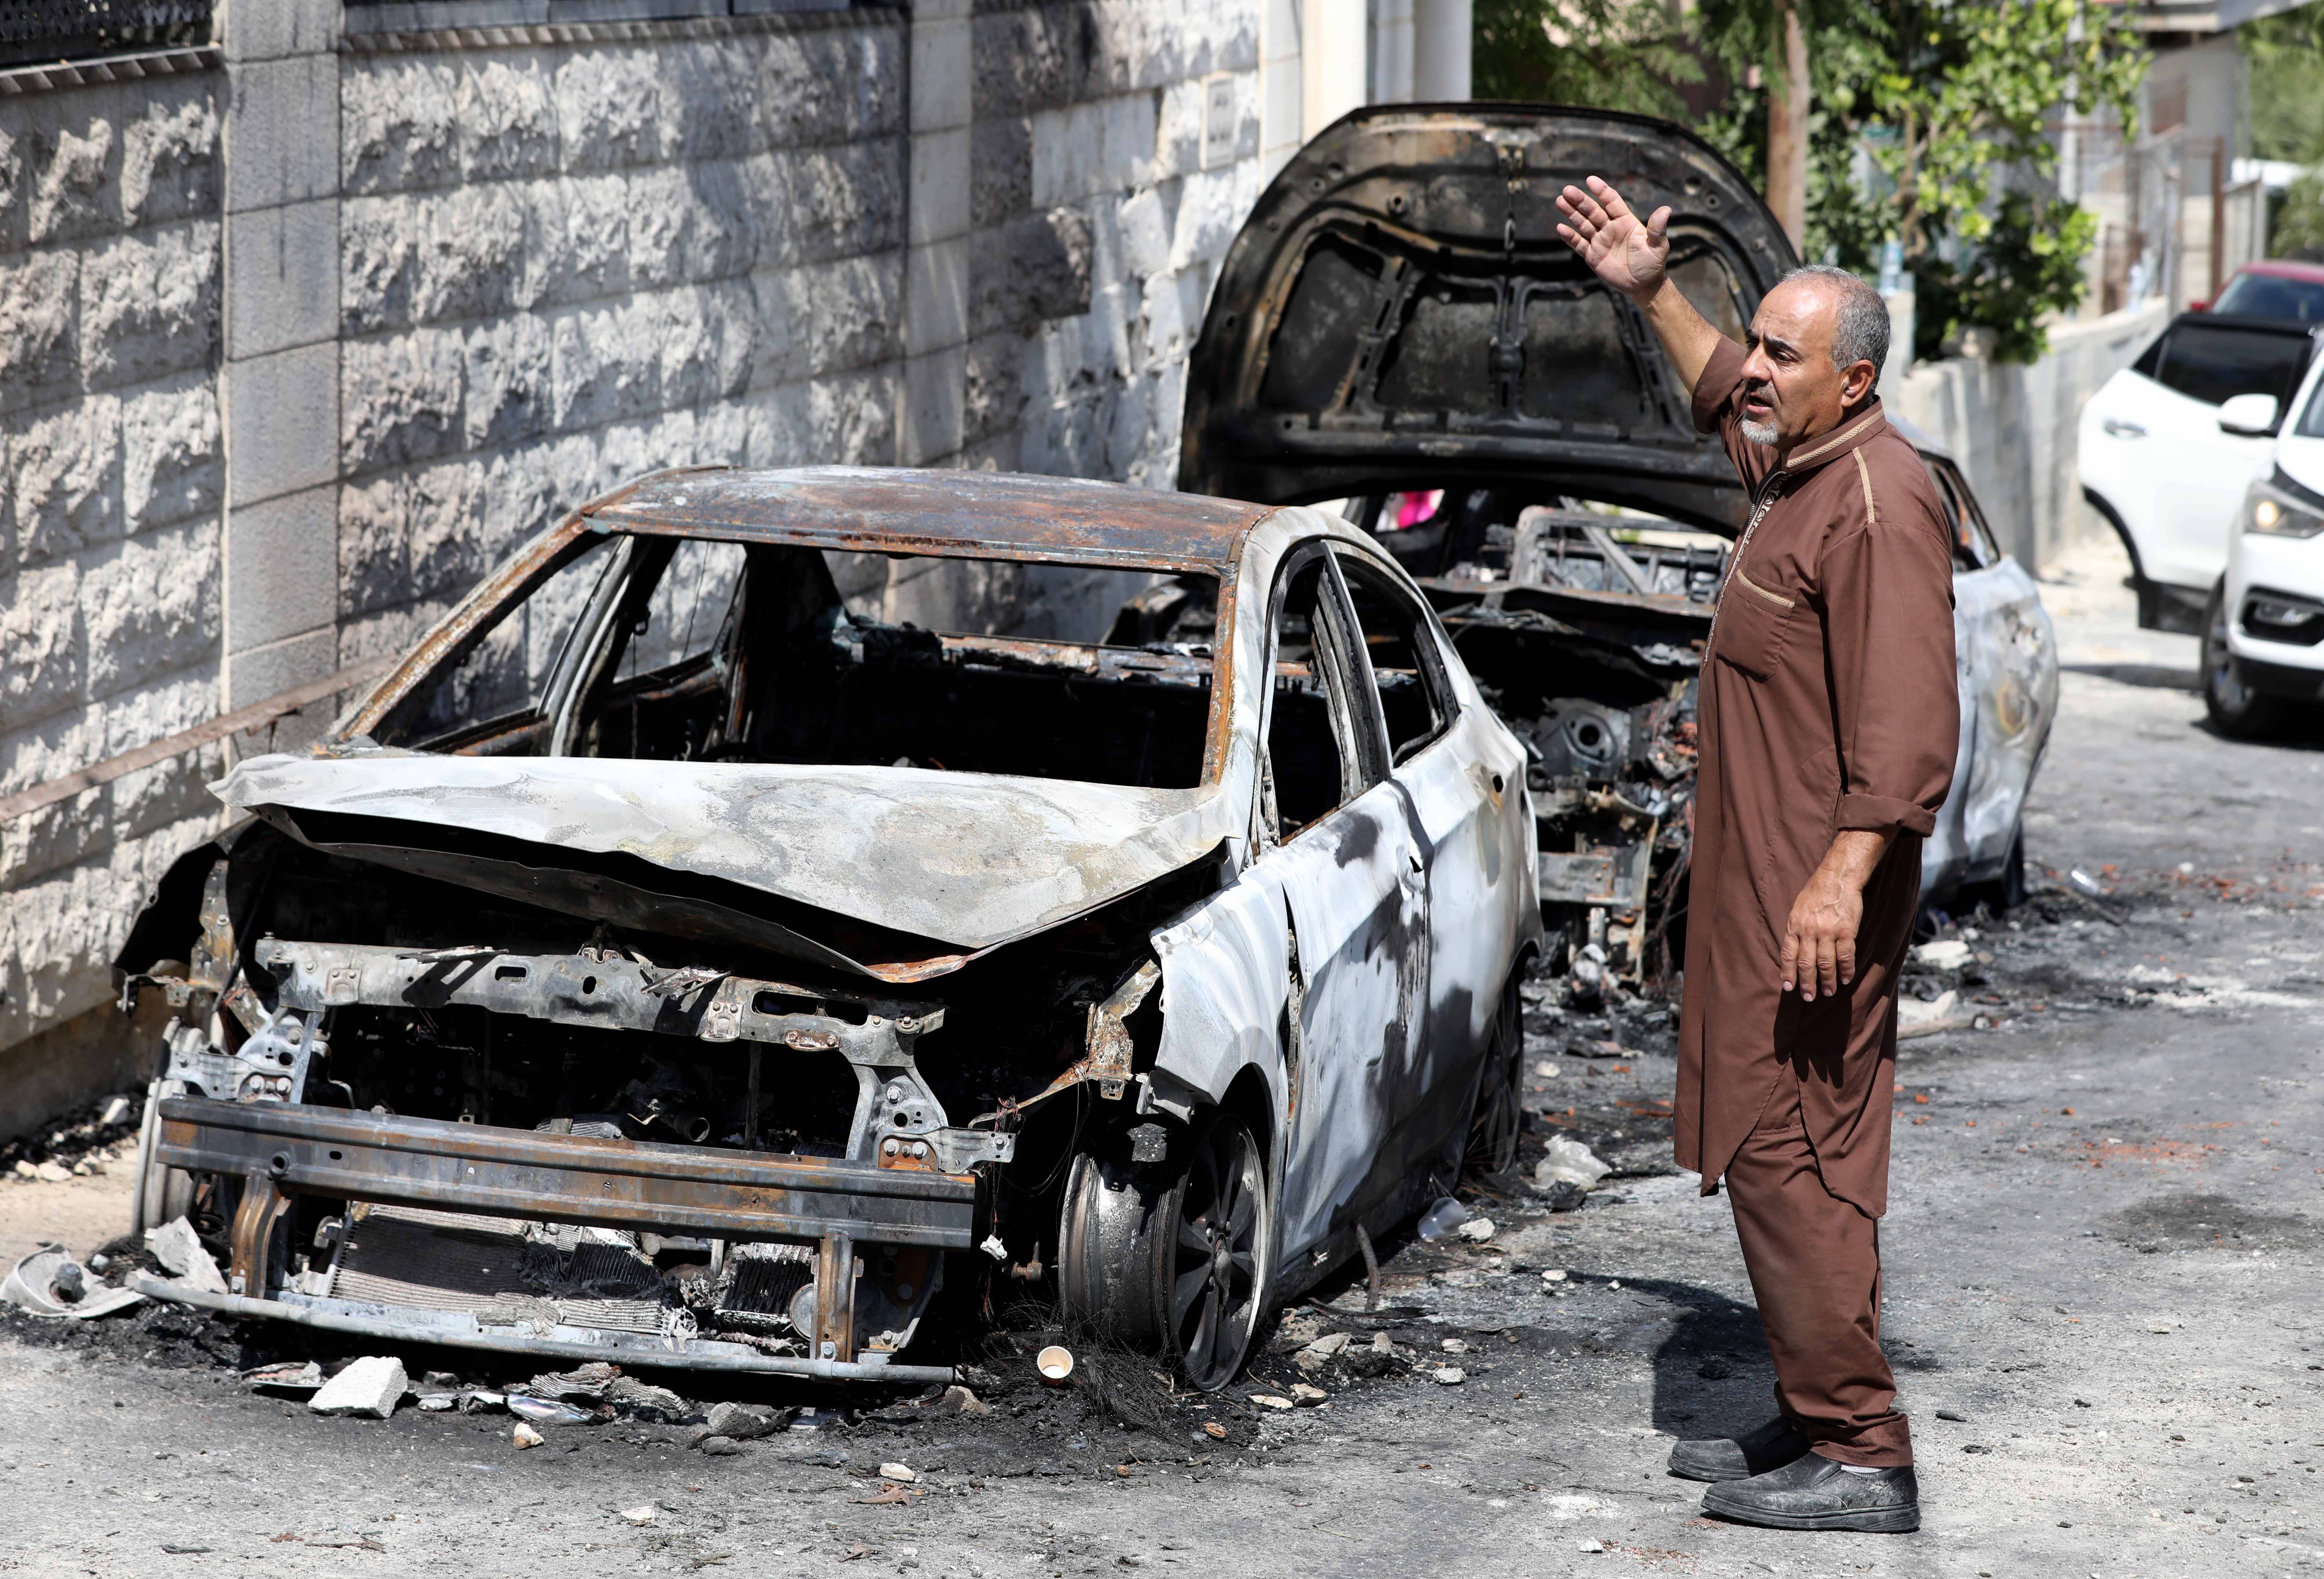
(1820,938)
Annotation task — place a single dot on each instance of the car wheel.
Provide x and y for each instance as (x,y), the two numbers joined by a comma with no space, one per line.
(2237,710)
(1172,1256)
(163,1195)
(1499,1110)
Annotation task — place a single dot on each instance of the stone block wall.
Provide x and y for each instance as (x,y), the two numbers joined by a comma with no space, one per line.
(112,470)
(291,350)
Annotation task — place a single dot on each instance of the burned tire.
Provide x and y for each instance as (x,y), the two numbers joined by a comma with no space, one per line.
(1498,1112)
(1172,1256)
(2235,709)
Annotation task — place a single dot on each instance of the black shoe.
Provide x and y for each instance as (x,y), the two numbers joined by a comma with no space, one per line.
(1813,1493)
(1738,1458)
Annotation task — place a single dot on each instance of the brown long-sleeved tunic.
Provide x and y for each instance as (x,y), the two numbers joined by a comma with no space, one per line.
(1828,701)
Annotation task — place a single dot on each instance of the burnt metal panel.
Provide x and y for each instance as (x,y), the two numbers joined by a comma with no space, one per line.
(1399,310)
(993,515)
(567,1179)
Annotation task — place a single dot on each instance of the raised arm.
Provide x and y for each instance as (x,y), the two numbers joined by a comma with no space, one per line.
(1629,255)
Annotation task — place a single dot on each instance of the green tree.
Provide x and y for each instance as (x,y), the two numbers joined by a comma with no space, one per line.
(1930,129)
(1611,54)
(2286,55)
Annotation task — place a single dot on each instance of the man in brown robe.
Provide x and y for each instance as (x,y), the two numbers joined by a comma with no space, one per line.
(1829,719)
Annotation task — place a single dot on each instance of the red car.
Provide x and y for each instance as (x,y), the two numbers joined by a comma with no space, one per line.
(2275,288)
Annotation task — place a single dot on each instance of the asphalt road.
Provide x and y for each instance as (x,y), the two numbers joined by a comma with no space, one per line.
(2104,1263)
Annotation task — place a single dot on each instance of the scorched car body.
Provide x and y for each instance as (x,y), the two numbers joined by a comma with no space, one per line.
(665,963)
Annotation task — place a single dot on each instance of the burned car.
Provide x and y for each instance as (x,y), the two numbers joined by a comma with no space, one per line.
(1399,333)
(672,962)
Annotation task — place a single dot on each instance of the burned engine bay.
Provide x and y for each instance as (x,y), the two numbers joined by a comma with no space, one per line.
(1585,631)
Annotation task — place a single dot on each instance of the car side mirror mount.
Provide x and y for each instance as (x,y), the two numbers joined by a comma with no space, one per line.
(2250,415)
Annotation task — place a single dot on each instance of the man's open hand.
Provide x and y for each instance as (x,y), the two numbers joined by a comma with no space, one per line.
(1621,249)
(1820,938)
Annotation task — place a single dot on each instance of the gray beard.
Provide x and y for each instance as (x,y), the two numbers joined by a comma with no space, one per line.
(1760,433)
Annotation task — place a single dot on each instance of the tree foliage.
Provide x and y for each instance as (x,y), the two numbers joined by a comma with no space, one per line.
(1929,127)
(2286,55)
(1611,54)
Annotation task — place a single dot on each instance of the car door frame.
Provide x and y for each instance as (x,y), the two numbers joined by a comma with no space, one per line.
(1353,894)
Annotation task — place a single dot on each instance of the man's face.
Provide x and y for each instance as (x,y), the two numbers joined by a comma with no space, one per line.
(1790,391)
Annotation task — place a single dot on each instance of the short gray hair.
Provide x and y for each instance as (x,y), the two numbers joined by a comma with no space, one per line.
(1861,331)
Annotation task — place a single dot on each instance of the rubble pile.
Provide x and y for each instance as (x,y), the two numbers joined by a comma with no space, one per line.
(87,1140)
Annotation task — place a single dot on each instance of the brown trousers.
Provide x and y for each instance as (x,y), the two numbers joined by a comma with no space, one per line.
(1814,1262)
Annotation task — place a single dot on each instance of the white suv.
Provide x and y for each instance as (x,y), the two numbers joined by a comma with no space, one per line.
(2264,629)
(2169,444)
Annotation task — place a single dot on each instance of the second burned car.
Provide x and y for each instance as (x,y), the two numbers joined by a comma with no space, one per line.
(668,962)
(1398,333)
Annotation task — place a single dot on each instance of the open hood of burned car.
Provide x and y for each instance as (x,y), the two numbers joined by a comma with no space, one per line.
(1399,311)
(898,873)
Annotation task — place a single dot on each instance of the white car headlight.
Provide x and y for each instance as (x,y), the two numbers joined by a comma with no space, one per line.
(2279,507)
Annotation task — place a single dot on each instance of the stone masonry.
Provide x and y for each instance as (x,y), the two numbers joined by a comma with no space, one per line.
(265,412)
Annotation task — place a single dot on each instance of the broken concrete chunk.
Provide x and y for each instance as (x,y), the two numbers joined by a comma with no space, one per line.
(897,1472)
(525,1436)
(1449,1375)
(178,1247)
(1321,1351)
(720,1447)
(641,1515)
(53,1173)
(965,1401)
(437,1403)
(1946,953)
(1307,1397)
(1569,1161)
(746,1422)
(1267,1400)
(373,1386)
(1476,1229)
(1912,1011)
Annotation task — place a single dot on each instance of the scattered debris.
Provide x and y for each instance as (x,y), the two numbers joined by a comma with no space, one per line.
(373,1386)
(585,1384)
(1912,1012)
(1215,1431)
(647,1402)
(1449,1375)
(1946,953)
(646,1514)
(1544,1069)
(50,1283)
(481,1400)
(179,1250)
(1308,1395)
(900,1472)
(1055,1363)
(1567,1160)
(1554,1275)
(2083,884)
(524,1435)
(1269,1400)
(1563,1195)
(747,1422)
(301,1376)
(1321,1351)
(1442,1218)
(720,1447)
(965,1401)
(1477,1229)
(543,1412)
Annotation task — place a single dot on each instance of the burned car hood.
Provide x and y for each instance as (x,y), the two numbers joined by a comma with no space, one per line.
(1399,306)
(894,873)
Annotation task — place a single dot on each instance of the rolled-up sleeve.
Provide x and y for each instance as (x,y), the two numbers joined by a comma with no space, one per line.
(1888,588)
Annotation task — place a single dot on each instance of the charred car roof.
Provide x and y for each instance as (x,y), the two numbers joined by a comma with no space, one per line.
(952,514)
(1399,303)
